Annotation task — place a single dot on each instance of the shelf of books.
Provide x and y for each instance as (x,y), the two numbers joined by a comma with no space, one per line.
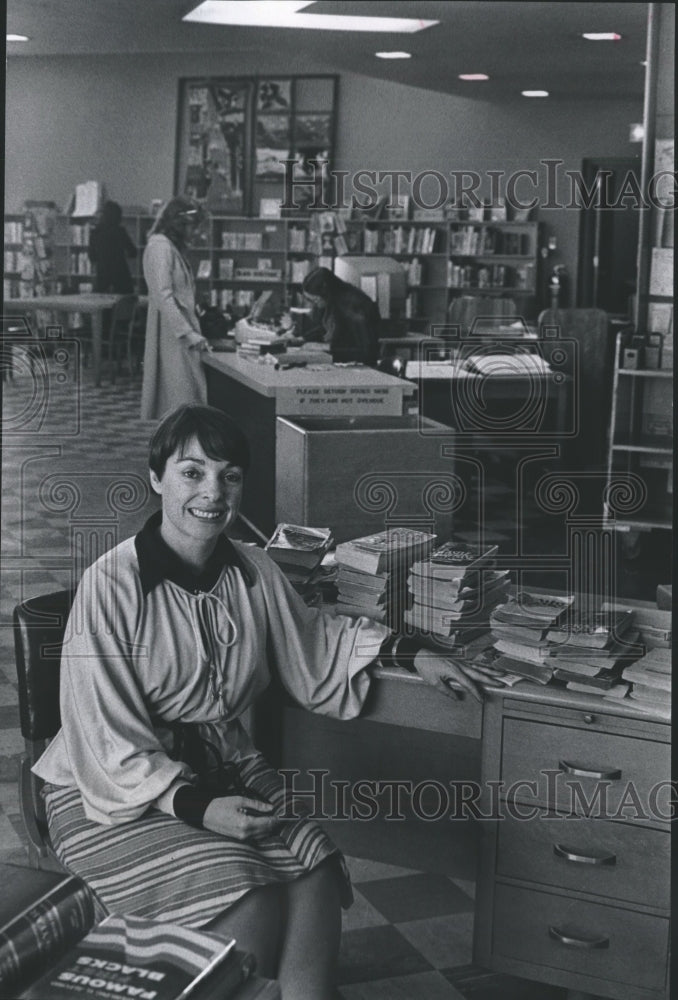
(237,257)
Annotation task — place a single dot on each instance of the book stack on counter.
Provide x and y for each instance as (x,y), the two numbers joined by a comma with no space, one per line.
(543,637)
(650,680)
(299,552)
(519,628)
(590,651)
(454,591)
(373,570)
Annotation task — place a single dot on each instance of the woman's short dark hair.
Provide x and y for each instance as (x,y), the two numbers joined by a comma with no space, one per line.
(219,436)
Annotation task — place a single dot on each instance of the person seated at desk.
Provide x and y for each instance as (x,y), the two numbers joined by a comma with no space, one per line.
(350,319)
(155,793)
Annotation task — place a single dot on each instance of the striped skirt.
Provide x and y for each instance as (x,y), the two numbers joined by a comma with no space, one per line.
(161,868)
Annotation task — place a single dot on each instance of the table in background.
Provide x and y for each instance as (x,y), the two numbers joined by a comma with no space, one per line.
(93,304)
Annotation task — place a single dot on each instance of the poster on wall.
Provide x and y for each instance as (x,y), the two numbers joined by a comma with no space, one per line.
(213,154)
(235,136)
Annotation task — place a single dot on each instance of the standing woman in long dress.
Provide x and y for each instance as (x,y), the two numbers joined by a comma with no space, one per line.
(173,372)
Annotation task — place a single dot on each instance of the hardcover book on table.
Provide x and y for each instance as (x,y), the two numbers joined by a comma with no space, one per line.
(42,915)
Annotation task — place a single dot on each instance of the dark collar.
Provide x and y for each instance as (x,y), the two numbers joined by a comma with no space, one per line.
(158,562)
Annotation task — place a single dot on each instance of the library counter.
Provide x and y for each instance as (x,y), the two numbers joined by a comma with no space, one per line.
(256,394)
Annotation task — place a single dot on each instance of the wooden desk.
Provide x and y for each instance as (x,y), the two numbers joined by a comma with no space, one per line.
(94,304)
(525,886)
(255,394)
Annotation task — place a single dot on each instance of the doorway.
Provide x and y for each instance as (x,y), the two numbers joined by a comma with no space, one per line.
(608,237)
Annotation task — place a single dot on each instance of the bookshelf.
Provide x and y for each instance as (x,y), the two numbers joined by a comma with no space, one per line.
(240,256)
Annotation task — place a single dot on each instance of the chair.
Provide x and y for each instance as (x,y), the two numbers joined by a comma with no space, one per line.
(119,334)
(39,625)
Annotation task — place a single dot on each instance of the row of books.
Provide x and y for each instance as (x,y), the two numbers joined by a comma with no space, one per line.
(79,234)
(14,231)
(81,264)
(496,276)
(409,240)
(51,947)
(473,241)
(241,240)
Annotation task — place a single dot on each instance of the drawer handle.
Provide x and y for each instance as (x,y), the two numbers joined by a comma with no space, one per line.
(614,774)
(583,859)
(575,942)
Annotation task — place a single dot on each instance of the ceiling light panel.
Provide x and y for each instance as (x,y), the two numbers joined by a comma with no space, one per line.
(393,55)
(601,36)
(290,14)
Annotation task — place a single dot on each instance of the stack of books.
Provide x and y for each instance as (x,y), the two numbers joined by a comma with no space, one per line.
(454,590)
(590,651)
(519,628)
(650,677)
(299,552)
(373,570)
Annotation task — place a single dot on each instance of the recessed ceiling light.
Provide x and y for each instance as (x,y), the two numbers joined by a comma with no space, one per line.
(601,36)
(535,93)
(393,55)
(286,14)
(643,62)
(473,76)
(17,38)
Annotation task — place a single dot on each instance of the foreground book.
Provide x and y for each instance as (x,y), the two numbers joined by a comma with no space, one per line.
(42,915)
(140,959)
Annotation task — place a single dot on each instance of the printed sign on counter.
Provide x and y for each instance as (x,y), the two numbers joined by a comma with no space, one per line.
(340,400)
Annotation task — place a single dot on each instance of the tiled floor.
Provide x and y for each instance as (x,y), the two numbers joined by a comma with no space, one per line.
(74,480)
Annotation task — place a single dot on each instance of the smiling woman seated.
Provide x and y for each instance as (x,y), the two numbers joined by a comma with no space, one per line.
(155,794)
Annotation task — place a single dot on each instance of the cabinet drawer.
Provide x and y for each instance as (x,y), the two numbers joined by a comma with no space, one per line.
(605,942)
(583,764)
(615,860)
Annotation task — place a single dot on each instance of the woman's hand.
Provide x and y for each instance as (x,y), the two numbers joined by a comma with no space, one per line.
(200,345)
(447,675)
(241,818)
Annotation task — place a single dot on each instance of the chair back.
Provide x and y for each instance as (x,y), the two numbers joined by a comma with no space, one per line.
(122,314)
(39,626)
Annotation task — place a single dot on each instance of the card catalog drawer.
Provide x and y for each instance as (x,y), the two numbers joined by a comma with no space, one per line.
(616,860)
(585,771)
(605,942)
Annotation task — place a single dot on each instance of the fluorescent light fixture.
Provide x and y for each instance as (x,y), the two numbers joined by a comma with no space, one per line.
(286,14)
(17,38)
(601,36)
(473,76)
(393,55)
(534,93)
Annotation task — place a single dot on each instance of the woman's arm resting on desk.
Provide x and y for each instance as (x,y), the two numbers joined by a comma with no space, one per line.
(443,672)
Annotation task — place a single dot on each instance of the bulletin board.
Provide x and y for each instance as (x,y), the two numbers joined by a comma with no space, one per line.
(234,135)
